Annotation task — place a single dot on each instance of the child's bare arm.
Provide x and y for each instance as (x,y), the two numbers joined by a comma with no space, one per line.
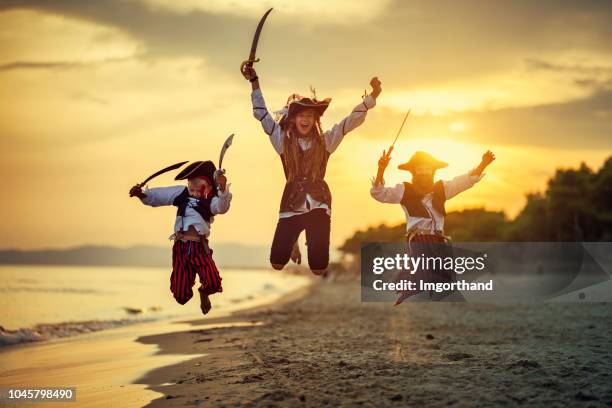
(487,159)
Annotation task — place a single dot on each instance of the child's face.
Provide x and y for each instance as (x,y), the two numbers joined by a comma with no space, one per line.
(198,187)
(423,175)
(423,170)
(304,121)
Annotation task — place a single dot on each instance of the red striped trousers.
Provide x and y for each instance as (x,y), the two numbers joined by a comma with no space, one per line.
(188,260)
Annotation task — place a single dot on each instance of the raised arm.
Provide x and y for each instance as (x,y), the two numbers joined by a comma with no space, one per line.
(487,158)
(383,162)
(381,193)
(461,183)
(261,113)
(334,136)
(220,204)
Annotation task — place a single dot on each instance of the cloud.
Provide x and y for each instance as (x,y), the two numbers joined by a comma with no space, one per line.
(441,60)
(10,66)
(344,12)
(129,99)
(30,39)
(539,64)
(513,88)
(584,123)
(56,65)
(100,93)
(406,43)
(594,73)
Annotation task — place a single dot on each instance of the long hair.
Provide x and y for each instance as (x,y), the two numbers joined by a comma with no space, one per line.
(308,162)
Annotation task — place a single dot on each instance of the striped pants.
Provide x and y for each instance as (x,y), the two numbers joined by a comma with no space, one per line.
(428,246)
(188,260)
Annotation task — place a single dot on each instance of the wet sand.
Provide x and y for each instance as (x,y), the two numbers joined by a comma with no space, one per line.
(102,366)
(330,349)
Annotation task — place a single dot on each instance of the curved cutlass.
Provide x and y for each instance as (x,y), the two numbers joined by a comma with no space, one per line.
(162,171)
(252,59)
(226,145)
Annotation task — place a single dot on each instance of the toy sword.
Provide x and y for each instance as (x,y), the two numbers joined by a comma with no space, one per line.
(226,145)
(162,171)
(398,133)
(252,59)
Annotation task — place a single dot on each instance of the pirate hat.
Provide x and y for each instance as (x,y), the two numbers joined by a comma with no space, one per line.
(297,103)
(420,158)
(198,169)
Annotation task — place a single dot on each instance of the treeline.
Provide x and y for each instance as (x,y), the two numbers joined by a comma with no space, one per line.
(576,206)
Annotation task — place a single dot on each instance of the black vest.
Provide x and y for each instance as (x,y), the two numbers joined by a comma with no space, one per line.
(412,201)
(203,208)
(295,191)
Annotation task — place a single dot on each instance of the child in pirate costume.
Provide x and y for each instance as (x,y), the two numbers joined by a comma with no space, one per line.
(304,150)
(206,195)
(423,202)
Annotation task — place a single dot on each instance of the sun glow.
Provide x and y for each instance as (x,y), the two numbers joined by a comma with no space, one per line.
(456,127)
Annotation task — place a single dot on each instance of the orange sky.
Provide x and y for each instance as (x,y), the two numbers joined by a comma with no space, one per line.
(94,98)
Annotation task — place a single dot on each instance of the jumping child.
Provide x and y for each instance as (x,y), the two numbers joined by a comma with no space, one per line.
(206,195)
(304,150)
(423,202)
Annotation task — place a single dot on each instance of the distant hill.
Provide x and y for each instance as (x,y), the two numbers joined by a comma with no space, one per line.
(226,255)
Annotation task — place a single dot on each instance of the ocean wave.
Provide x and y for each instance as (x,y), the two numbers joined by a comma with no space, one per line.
(48,331)
(11,289)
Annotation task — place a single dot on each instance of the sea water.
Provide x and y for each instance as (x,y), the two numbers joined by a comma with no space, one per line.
(31,295)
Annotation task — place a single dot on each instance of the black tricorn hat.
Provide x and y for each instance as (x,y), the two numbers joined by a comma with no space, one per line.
(198,169)
(420,158)
(297,103)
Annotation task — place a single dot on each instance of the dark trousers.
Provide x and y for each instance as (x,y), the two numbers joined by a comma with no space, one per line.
(316,223)
(429,246)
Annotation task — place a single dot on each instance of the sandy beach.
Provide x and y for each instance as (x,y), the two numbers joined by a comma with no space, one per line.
(326,348)
(321,346)
(104,366)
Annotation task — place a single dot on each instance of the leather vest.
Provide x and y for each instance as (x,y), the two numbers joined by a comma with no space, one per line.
(294,193)
(413,201)
(203,208)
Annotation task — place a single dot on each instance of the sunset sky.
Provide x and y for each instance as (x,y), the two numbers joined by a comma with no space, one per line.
(96,95)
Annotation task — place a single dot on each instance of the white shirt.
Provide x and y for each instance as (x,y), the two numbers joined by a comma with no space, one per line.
(332,138)
(160,196)
(394,195)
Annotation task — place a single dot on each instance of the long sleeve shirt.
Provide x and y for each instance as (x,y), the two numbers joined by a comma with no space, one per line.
(394,195)
(333,137)
(160,196)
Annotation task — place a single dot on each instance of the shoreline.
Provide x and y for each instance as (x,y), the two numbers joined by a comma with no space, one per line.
(114,355)
(83,308)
